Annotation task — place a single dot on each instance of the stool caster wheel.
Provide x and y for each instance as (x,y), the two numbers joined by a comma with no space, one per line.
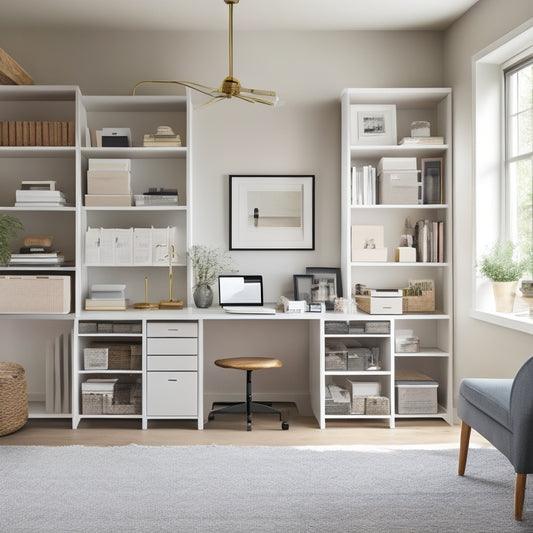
(210,416)
(284,425)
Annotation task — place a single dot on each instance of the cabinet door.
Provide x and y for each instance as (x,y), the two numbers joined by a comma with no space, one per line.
(172,394)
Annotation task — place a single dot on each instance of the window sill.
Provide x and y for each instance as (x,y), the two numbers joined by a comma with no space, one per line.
(518,321)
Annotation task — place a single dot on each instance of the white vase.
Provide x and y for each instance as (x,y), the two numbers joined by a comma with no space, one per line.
(504,295)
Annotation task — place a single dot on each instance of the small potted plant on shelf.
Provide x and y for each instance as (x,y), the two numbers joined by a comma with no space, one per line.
(9,227)
(501,266)
(207,264)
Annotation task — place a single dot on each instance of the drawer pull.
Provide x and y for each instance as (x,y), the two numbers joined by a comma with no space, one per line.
(172,379)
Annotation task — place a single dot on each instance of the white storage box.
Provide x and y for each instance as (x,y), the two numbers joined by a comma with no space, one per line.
(380,305)
(108,182)
(400,187)
(362,388)
(416,397)
(35,294)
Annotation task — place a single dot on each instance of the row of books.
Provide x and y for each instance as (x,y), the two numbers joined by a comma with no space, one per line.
(428,240)
(37,133)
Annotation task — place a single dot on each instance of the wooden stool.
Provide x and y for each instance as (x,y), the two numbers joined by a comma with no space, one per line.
(249,364)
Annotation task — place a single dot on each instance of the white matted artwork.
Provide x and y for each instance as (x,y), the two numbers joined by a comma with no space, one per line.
(368,243)
(272,212)
(373,124)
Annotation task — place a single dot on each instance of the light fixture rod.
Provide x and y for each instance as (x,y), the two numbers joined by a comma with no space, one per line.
(230,40)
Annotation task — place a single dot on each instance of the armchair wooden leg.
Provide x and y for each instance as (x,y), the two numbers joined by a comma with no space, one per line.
(519,493)
(463,448)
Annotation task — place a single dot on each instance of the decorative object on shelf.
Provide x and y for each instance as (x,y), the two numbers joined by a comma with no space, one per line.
(272,212)
(146,304)
(326,285)
(11,73)
(230,86)
(207,264)
(203,296)
(432,189)
(420,128)
(500,265)
(13,397)
(373,124)
(164,136)
(368,243)
(10,227)
(170,303)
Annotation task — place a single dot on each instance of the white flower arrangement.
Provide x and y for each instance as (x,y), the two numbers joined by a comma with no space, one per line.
(208,263)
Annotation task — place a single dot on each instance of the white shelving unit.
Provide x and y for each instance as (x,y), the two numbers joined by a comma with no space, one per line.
(433,328)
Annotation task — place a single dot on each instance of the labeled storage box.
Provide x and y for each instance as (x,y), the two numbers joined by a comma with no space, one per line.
(416,397)
(400,187)
(377,405)
(35,294)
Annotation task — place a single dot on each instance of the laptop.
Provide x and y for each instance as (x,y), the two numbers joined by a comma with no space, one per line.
(242,295)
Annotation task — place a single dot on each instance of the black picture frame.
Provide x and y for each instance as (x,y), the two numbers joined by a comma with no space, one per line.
(432,180)
(271,212)
(302,287)
(327,279)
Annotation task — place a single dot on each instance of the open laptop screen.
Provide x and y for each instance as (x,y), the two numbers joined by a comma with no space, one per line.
(240,290)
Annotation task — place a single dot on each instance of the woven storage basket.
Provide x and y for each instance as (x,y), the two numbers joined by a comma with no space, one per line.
(13,398)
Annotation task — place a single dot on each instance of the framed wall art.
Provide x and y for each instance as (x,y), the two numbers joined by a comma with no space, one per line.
(272,212)
(373,124)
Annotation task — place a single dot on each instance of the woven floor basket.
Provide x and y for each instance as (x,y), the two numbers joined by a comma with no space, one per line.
(13,398)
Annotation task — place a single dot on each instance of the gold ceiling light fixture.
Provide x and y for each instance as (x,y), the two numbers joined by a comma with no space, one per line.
(231,86)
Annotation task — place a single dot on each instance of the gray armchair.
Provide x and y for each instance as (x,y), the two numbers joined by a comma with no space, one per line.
(502,411)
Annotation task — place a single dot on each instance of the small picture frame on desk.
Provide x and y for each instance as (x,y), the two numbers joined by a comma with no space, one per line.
(326,285)
(302,287)
(373,124)
(432,189)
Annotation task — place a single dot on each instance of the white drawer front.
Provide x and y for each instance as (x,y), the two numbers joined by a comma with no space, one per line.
(172,329)
(172,394)
(166,346)
(172,362)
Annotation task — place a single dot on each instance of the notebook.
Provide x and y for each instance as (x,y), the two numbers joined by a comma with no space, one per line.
(242,294)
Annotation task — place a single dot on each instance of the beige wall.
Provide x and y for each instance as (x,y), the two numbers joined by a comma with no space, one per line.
(481,349)
(309,70)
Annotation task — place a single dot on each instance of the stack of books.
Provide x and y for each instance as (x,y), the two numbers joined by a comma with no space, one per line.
(164,136)
(37,250)
(106,297)
(157,196)
(39,193)
(422,140)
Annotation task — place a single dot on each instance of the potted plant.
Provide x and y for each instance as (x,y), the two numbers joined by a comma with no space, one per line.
(9,227)
(207,264)
(501,266)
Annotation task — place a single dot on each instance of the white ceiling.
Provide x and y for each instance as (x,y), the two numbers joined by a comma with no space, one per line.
(248,14)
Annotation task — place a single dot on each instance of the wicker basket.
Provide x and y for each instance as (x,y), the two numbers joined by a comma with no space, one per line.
(13,398)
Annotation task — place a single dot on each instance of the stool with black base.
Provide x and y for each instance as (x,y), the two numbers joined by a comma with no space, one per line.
(249,364)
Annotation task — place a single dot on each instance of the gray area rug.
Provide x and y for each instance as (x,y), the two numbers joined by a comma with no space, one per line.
(255,489)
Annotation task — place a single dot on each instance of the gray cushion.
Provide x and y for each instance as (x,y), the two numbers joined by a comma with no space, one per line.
(492,396)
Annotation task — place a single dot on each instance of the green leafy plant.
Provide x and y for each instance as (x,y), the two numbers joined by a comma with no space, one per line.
(208,263)
(499,263)
(9,227)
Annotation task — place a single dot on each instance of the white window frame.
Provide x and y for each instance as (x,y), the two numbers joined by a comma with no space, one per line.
(489,164)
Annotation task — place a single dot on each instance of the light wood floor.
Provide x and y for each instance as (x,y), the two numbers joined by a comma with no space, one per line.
(231,430)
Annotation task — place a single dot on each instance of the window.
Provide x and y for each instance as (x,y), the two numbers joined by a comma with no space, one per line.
(518,222)
(503,164)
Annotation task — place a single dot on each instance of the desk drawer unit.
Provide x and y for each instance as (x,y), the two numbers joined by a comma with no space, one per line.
(172,394)
(172,369)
